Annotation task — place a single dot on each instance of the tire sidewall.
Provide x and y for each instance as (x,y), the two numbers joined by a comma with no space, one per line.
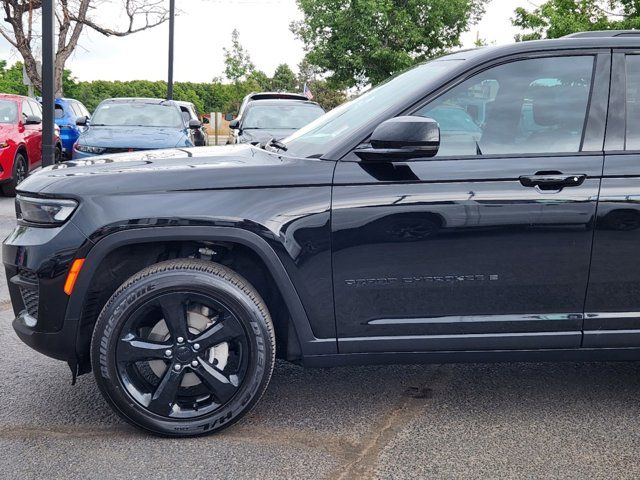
(125,302)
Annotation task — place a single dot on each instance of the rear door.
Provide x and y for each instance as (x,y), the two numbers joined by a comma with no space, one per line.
(487,245)
(613,302)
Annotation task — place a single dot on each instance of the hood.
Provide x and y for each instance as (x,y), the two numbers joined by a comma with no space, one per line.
(258,135)
(133,137)
(199,168)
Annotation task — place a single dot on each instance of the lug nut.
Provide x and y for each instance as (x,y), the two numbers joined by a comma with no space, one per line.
(177,367)
(168,353)
(180,339)
(196,346)
(194,363)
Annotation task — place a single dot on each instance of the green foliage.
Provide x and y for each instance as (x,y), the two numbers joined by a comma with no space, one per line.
(323,93)
(11,78)
(357,42)
(237,62)
(557,18)
(284,80)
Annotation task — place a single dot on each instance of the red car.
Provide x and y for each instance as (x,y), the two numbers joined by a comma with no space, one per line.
(20,140)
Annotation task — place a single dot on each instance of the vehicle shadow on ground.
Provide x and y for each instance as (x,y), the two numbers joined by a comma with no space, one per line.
(349,401)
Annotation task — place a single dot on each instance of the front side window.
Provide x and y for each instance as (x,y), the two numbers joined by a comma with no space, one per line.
(137,114)
(524,107)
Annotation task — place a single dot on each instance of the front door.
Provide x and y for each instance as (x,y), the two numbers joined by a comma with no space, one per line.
(486,246)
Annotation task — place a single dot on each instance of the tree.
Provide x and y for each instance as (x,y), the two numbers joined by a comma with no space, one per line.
(557,18)
(11,78)
(358,42)
(237,62)
(327,96)
(284,80)
(22,19)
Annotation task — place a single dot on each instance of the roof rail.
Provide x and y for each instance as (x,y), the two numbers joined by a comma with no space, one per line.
(604,34)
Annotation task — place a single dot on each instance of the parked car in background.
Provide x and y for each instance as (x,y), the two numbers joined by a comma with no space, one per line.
(266,119)
(67,112)
(189,113)
(130,124)
(268,96)
(21,140)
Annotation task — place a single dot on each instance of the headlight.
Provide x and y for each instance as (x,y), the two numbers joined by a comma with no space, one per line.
(44,211)
(89,149)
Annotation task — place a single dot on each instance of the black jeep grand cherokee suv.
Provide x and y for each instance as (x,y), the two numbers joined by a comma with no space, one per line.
(479,207)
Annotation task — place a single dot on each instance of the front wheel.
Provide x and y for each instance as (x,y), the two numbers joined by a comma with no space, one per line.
(183,348)
(19,173)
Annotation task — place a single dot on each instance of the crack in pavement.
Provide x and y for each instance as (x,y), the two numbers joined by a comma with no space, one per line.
(364,462)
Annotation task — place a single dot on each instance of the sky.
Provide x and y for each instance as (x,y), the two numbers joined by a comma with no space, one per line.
(203,27)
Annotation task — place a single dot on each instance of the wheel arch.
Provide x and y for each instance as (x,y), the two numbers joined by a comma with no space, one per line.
(303,338)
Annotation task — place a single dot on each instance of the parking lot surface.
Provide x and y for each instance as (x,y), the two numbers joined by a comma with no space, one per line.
(437,421)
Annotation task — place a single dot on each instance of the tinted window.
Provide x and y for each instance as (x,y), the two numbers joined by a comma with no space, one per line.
(280,116)
(315,138)
(59,111)
(137,114)
(523,107)
(8,111)
(633,102)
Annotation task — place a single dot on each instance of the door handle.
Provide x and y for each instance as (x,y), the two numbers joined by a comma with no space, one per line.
(552,180)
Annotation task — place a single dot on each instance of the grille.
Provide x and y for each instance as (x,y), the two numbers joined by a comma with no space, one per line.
(119,150)
(30,299)
(30,295)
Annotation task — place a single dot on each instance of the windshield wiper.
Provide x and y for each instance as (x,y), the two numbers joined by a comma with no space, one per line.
(277,144)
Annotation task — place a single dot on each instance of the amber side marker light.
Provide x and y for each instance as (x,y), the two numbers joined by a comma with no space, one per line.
(72,276)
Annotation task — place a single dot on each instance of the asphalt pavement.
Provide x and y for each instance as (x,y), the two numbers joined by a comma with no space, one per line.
(563,420)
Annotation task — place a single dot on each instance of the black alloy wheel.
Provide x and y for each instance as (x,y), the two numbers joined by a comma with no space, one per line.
(183,348)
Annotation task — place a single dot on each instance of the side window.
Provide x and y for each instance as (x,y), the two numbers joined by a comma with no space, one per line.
(633,103)
(59,111)
(83,111)
(36,108)
(26,110)
(76,110)
(523,107)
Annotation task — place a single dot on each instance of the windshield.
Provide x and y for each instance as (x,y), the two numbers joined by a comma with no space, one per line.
(137,114)
(8,111)
(314,139)
(280,116)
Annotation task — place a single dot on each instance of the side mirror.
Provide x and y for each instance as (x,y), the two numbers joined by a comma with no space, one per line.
(228,117)
(193,123)
(32,120)
(401,139)
(234,124)
(82,121)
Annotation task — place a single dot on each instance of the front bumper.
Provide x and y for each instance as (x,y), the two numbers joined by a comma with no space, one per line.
(36,262)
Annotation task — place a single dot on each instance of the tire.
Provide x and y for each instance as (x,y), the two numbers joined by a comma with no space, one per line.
(20,172)
(57,155)
(134,352)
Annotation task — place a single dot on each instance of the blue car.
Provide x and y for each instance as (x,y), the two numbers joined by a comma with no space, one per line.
(67,112)
(130,124)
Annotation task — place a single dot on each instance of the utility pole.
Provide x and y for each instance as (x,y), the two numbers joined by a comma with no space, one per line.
(172,19)
(48,89)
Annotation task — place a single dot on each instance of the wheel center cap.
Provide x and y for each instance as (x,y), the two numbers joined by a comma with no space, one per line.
(183,354)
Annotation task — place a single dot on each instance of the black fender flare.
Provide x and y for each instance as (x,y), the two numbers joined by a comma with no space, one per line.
(310,345)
